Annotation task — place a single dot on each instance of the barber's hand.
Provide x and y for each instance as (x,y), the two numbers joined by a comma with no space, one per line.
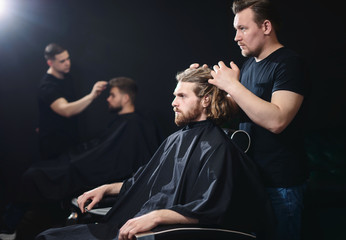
(137,225)
(94,195)
(223,76)
(98,88)
(196,65)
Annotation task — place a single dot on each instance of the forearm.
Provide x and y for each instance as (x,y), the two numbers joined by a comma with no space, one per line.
(165,216)
(112,189)
(69,109)
(265,114)
(150,220)
(97,194)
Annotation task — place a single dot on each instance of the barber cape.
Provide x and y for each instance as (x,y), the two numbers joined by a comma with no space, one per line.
(198,172)
(127,144)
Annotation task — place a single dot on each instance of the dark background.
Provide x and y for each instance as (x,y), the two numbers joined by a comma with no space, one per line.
(149,41)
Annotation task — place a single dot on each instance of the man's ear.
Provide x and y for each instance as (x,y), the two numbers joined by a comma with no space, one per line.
(49,62)
(206,101)
(267,27)
(126,98)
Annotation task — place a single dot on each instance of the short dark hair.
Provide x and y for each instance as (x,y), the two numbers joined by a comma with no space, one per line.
(263,9)
(51,50)
(220,108)
(126,85)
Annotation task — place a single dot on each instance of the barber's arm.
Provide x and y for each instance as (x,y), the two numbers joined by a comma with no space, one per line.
(151,220)
(96,194)
(68,109)
(273,116)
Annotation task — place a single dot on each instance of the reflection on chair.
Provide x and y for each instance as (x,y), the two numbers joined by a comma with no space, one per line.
(240,137)
(193,232)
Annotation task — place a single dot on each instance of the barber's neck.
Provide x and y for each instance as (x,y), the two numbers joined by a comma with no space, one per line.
(268,49)
(127,109)
(55,73)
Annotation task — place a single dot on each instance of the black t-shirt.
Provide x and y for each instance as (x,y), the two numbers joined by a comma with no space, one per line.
(56,133)
(281,157)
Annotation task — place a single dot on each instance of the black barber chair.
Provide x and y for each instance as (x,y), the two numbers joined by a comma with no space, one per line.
(172,232)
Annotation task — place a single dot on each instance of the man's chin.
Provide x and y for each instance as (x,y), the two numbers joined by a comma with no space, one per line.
(180,123)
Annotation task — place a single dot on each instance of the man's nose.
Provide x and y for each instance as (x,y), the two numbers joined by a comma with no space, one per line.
(236,37)
(174,102)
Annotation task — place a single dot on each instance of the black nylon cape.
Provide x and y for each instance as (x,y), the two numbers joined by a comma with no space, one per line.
(198,172)
(128,143)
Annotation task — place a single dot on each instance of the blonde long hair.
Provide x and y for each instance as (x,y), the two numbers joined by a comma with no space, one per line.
(220,108)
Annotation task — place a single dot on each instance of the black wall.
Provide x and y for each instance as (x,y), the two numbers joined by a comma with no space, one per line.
(149,41)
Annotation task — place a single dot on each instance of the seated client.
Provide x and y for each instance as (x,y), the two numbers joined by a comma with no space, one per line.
(127,143)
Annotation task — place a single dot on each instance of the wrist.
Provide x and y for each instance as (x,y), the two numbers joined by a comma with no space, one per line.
(233,88)
(157,217)
(92,96)
(106,189)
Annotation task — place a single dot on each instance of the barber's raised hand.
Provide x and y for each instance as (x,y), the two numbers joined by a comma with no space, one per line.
(94,195)
(98,88)
(137,225)
(223,76)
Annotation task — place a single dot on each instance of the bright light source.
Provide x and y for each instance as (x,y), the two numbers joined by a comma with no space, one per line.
(3,8)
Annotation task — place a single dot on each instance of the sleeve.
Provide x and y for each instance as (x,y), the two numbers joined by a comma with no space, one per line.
(291,75)
(48,93)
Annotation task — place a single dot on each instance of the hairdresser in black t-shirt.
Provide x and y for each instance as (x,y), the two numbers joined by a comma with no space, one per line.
(271,90)
(58,105)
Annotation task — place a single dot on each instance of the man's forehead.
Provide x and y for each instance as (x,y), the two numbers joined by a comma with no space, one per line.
(114,90)
(244,17)
(62,56)
(184,87)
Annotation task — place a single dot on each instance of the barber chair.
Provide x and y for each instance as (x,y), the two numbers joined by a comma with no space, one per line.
(171,232)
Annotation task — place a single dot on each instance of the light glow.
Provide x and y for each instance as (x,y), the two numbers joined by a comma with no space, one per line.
(6,8)
(3,6)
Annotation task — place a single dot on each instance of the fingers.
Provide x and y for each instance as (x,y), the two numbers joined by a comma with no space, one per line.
(220,65)
(92,204)
(98,88)
(101,85)
(194,65)
(128,230)
(103,82)
(81,202)
(83,199)
(234,66)
(213,74)
(216,68)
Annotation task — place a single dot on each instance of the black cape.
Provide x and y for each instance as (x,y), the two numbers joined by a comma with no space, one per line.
(198,172)
(128,143)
